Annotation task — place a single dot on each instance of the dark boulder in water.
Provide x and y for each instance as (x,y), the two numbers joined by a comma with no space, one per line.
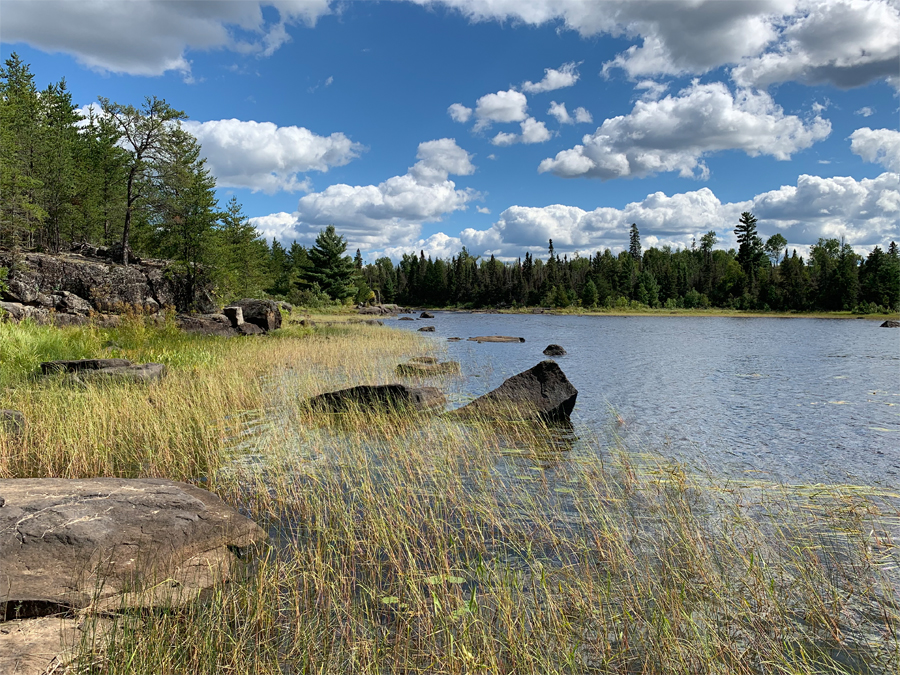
(554,350)
(890,324)
(379,398)
(543,392)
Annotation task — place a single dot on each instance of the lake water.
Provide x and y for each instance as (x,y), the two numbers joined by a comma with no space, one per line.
(788,400)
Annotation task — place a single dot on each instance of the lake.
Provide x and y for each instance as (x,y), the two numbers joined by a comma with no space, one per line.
(789,400)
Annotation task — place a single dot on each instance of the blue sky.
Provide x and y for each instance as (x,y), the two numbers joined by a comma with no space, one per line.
(498,124)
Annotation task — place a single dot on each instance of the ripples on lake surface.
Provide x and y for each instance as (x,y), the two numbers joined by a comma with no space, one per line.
(788,400)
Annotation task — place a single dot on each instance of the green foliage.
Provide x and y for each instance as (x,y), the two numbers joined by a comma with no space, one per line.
(329,267)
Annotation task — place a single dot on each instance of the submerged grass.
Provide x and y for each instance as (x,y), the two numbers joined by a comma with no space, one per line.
(418,544)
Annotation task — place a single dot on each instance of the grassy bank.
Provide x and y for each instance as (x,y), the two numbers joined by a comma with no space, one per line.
(421,545)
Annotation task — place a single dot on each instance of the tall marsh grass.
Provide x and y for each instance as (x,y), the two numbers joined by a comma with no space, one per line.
(422,544)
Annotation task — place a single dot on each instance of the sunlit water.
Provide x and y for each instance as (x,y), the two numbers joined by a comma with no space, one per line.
(786,400)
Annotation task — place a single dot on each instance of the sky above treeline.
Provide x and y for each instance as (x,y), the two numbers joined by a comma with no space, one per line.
(500,124)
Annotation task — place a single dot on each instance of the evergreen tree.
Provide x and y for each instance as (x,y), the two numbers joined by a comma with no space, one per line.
(331,269)
(144,134)
(589,294)
(750,251)
(185,211)
(20,210)
(242,257)
(634,243)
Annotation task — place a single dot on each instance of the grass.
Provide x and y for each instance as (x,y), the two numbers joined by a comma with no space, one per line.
(420,544)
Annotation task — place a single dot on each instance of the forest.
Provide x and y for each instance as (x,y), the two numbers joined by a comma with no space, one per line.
(133,180)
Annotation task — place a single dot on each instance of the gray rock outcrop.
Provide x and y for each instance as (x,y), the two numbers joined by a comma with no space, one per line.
(379,398)
(554,350)
(426,329)
(542,392)
(235,315)
(263,313)
(75,283)
(109,543)
(426,315)
(121,370)
(890,324)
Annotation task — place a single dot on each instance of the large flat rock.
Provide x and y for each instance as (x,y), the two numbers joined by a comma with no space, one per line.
(379,398)
(112,542)
(542,392)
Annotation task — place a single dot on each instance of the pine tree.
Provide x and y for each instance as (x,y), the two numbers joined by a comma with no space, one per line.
(20,210)
(634,243)
(144,134)
(331,269)
(242,267)
(185,210)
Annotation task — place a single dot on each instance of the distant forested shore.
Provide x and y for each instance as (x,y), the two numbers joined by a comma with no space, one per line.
(133,180)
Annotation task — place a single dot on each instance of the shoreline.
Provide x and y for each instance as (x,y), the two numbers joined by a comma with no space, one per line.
(718,313)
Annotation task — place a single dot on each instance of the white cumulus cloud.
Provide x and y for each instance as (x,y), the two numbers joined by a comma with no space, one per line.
(864,211)
(566,76)
(264,157)
(843,42)
(152,36)
(533,131)
(390,213)
(582,116)
(558,110)
(675,133)
(846,43)
(880,146)
(459,113)
(504,106)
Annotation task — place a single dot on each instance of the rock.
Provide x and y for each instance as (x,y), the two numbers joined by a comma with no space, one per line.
(263,313)
(250,329)
(554,350)
(13,423)
(454,339)
(12,310)
(19,291)
(147,372)
(307,323)
(374,309)
(426,329)
(379,398)
(285,306)
(543,392)
(41,646)
(423,359)
(69,303)
(419,369)
(235,315)
(886,324)
(116,369)
(103,283)
(205,324)
(82,364)
(402,318)
(111,542)
(496,338)
(426,315)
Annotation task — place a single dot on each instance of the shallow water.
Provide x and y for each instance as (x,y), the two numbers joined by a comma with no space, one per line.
(786,400)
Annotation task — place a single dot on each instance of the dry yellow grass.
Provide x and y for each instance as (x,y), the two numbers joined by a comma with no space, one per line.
(420,544)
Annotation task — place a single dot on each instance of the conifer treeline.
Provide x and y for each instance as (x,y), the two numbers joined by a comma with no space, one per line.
(134,180)
(833,278)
